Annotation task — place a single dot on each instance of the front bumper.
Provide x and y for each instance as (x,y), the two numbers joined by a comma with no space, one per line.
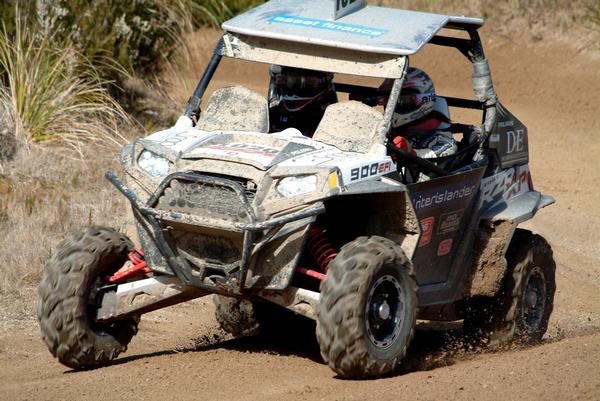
(233,278)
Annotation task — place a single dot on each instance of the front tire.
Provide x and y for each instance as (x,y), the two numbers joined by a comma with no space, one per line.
(521,312)
(368,309)
(66,304)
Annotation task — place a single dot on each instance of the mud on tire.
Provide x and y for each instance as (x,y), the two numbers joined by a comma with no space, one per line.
(236,316)
(368,309)
(243,318)
(520,313)
(66,304)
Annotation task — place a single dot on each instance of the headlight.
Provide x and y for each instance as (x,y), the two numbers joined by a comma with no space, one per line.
(292,186)
(153,164)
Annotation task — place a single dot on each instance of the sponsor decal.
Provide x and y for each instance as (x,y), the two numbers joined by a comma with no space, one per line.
(512,144)
(299,151)
(427,229)
(434,198)
(445,247)
(505,185)
(291,150)
(351,29)
(178,138)
(450,222)
(246,148)
(515,141)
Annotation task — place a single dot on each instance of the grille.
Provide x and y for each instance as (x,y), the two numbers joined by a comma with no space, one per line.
(204,199)
(201,249)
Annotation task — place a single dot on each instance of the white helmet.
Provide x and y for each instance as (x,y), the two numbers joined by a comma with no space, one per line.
(417,98)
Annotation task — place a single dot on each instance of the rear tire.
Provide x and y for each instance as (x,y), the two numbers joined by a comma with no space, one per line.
(66,304)
(368,309)
(236,316)
(520,313)
(244,318)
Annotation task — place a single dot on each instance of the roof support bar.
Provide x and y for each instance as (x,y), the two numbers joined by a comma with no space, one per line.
(192,108)
(463,45)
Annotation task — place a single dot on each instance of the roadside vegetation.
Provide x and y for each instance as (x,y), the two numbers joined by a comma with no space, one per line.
(77,77)
(52,92)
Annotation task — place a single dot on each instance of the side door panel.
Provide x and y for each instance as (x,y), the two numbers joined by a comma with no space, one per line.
(443,207)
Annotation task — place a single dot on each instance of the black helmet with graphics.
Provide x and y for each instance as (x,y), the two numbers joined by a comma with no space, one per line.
(296,88)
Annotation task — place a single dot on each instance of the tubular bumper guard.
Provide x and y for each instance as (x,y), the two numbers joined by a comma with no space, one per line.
(179,265)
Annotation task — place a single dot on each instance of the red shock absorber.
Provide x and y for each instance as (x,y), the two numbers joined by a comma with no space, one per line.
(320,247)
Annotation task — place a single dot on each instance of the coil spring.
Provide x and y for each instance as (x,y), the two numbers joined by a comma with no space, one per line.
(320,247)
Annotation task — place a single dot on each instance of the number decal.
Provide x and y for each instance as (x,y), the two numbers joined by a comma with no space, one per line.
(345,7)
(369,170)
(341,4)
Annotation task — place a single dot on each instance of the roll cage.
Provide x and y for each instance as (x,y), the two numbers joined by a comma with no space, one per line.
(242,41)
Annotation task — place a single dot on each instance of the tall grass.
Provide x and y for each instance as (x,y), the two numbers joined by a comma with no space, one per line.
(50,91)
(44,194)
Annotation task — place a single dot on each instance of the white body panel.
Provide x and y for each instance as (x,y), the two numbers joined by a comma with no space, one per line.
(263,149)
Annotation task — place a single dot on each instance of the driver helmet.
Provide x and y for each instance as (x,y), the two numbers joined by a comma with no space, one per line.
(296,88)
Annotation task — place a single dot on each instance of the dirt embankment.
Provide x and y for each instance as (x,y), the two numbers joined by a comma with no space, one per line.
(180,354)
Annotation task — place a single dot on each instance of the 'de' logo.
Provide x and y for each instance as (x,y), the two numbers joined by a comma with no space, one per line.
(515,141)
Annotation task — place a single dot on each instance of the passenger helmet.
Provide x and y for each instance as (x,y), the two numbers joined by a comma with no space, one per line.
(417,98)
(296,88)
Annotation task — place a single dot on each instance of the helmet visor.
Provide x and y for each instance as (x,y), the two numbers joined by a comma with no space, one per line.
(302,84)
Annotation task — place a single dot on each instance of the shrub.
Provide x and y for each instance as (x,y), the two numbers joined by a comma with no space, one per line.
(136,34)
(133,33)
(50,91)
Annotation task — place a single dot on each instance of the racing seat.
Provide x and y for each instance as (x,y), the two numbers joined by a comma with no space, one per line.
(349,126)
(235,108)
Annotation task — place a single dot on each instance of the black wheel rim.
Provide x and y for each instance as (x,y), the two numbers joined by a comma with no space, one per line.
(385,310)
(534,299)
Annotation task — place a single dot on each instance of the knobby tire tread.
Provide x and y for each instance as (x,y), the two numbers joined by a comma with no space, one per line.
(63,315)
(495,321)
(340,324)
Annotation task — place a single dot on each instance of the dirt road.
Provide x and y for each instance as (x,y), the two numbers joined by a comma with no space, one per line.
(180,354)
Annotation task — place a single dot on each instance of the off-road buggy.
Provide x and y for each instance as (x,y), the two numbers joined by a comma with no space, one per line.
(324,227)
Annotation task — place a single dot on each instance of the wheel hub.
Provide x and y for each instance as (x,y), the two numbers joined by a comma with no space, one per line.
(534,297)
(384,311)
(530,299)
